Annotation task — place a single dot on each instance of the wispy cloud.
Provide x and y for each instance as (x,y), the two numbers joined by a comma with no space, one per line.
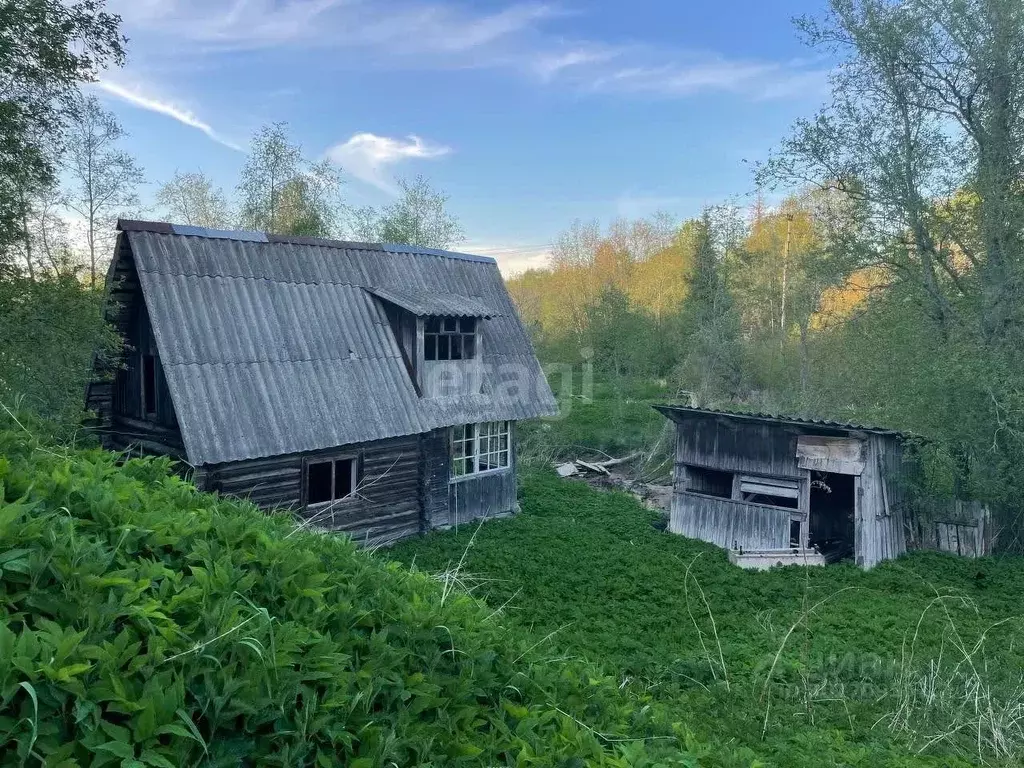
(138,98)
(412,27)
(371,158)
(423,34)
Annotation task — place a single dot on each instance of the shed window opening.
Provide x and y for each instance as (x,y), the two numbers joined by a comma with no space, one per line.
(770,491)
(709,482)
(149,385)
(449,338)
(480,447)
(331,480)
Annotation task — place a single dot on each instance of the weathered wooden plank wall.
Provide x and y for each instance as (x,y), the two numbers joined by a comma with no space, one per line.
(717,442)
(489,495)
(880,531)
(729,523)
(386,508)
(436,467)
(492,494)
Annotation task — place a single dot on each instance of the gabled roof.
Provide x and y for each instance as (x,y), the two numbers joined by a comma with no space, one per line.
(274,345)
(679,412)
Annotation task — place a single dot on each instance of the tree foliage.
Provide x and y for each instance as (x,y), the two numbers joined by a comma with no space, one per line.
(192,198)
(46,48)
(104,178)
(50,328)
(281,192)
(417,217)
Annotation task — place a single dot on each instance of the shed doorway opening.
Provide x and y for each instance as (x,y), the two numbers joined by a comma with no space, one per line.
(832,510)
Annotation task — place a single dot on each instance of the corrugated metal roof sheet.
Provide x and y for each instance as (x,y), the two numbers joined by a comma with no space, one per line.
(423,303)
(276,345)
(669,410)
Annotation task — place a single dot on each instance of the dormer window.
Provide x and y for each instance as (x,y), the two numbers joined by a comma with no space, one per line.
(449,338)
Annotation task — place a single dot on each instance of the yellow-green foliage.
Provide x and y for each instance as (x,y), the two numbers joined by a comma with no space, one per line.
(145,623)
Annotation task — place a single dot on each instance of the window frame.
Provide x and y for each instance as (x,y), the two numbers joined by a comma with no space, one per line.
(333,459)
(462,335)
(736,494)
(496,440)
(783,487)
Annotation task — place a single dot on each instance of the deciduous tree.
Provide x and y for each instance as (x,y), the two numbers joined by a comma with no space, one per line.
(192,198)
(104,178)
(46,48)
(418,217)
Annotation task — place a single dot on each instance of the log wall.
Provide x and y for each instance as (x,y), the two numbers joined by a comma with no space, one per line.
(386,507)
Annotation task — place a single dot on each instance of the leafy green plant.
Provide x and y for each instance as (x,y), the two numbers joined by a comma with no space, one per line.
(147,624)
(790,667)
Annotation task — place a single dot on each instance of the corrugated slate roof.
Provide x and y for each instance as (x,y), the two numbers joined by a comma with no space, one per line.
(274,344)
(423,304)
(668,410)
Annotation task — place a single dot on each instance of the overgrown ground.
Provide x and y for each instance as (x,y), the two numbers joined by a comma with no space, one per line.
(608,419)
(143,623)
(918,662)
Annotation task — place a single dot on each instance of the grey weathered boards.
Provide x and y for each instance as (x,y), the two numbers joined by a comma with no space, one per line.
(766,483)
(296,372)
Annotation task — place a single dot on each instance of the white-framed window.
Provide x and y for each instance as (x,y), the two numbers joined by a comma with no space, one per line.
(480,447)
(449,338)
(330,479)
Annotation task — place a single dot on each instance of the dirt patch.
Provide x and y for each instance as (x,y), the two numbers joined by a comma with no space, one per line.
(651,495)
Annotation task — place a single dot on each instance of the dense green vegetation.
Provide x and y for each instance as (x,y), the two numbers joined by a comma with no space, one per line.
(609,418)
(144,623)
(836,666)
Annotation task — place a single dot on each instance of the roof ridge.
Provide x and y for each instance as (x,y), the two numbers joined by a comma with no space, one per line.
(252,236)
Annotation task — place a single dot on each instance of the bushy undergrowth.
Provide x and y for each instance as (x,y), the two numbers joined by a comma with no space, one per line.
(917,662)
(144,623)
(609,419)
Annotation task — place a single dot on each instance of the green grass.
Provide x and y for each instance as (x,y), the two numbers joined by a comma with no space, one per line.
(143,623)
(590,571)
(612,420)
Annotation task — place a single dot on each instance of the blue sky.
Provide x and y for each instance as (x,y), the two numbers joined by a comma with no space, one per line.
(527,114)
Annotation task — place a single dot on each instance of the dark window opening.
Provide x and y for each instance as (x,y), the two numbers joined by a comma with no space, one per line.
(794,533)
(449,338)
(770,500)
(831,526)
(331,480)
(318,482)
(770,491)
(149,384)
(710,482)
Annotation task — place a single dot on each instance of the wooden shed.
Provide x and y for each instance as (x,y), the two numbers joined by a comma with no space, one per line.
(372,389)
(779,490)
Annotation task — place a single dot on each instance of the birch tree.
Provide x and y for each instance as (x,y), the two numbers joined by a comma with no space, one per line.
(281,192)
(103,178)
(192,198)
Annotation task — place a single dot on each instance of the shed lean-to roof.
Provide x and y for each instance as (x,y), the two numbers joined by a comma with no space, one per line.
(423,303)
(274,345)
(679,412)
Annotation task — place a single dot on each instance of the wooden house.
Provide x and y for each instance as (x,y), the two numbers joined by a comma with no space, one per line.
(373,389)
(776,490)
